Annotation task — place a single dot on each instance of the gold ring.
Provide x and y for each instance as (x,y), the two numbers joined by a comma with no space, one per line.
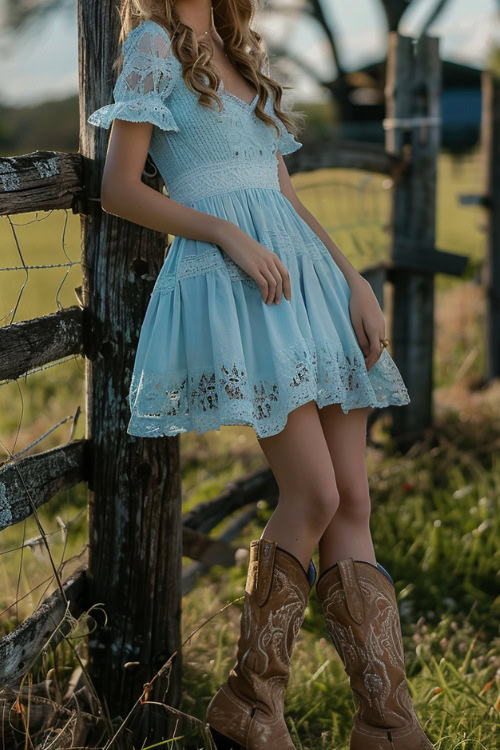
(384,343)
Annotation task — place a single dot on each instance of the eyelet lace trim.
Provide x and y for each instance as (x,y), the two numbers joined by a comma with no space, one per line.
(148,76)
(215,259)
(207,181)
(226,393)
(286,142)
(147,108)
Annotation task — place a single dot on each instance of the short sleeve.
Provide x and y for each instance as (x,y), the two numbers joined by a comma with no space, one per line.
(148,76)
(287,143)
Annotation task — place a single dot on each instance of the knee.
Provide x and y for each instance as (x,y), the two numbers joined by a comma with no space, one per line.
(354,504)
(318,506)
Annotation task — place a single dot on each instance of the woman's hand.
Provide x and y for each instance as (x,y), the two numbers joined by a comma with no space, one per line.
(367,320)
(264,266)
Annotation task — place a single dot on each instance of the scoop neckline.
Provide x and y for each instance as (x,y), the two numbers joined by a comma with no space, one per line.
(222,90)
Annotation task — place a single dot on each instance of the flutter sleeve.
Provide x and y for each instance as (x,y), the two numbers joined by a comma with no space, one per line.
(287,143)
(148,76)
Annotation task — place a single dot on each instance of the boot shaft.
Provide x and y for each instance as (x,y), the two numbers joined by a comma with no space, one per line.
(249,707)
(362,619)
(276,596)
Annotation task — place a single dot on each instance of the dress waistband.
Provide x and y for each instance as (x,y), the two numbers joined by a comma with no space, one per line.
(212,179)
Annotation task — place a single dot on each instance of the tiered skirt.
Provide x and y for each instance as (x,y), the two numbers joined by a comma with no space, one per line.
(211,352)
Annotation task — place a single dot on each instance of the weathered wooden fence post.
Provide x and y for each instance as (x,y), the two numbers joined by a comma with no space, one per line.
(491,155)
(134,483)
(413,124)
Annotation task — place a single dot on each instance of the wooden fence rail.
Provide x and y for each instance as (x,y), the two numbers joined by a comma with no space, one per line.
(37,342)
(20,648)
(33,480)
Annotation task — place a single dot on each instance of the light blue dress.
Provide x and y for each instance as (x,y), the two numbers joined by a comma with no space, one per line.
(211,352)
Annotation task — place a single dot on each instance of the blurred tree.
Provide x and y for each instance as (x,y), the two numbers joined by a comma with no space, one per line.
(494,61)
(342,85)
(20,13)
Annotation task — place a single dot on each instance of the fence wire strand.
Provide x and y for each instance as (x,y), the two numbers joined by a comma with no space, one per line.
(45,545)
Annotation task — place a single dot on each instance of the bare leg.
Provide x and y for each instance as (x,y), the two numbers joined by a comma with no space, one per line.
(300,461)
(348,534)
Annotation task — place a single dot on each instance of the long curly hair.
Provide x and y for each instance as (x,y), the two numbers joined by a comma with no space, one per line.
(243,46)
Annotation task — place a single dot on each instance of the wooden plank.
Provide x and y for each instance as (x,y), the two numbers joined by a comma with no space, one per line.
(490,144)
(36,342)
(470,199)
(413,114)
(44,180)
(191,572)
(20,648)
(206,549)
(39,476)
(377,276)
(236,495)
(428,260)
(41,180)
(135,527)
(336,153)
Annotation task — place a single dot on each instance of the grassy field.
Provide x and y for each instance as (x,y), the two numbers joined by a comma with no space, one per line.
(435,510)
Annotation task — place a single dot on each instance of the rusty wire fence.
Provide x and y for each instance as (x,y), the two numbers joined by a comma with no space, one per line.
(38,411)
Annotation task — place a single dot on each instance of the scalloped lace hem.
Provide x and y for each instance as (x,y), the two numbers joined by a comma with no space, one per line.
(209,398)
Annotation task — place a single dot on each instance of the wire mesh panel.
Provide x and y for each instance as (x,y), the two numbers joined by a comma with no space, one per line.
(40,273)
(353,206)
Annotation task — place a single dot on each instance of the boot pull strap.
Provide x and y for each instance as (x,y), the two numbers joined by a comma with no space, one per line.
(352,590)
(260,569)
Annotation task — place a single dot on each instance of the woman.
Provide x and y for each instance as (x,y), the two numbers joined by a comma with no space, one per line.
(257,318)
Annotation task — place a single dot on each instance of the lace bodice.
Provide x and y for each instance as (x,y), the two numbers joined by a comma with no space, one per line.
(199,152)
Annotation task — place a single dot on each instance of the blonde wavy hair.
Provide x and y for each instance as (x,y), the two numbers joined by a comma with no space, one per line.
(243,46)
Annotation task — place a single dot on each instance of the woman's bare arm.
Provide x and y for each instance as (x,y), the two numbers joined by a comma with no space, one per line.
(124,194)
(366,316)
(352,276)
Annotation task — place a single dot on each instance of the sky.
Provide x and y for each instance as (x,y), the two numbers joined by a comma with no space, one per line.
(44,65)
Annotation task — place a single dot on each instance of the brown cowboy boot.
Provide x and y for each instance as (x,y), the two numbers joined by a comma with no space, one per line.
(362,618)
(246,713)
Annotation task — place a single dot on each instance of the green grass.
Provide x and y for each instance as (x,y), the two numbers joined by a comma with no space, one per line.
(426,507)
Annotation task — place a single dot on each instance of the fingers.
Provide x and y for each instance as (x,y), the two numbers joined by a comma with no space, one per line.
(363,340)
(275,280)
(285,276)
(269,294)
(369,341)
(374,348)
